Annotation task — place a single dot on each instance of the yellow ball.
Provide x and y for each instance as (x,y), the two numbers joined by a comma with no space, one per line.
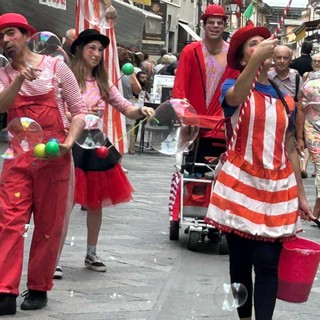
(39,150)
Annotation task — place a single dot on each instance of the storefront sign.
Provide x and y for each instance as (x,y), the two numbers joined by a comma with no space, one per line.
(58,4)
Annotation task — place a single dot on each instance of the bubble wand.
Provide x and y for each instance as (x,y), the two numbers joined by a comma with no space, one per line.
(246,103)
(127,69)
(104,151)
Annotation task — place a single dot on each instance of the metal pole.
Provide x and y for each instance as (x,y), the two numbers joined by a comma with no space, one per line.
(199,5)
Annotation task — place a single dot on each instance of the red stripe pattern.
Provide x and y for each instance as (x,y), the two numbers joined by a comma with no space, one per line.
(255,193)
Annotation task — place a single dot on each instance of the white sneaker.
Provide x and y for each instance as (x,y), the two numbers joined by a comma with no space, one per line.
(125,170)
(58,274)
(94,263)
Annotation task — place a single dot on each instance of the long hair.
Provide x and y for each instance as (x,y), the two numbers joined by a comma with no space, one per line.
(99,73)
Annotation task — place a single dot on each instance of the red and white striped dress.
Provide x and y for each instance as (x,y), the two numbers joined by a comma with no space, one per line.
(255,194)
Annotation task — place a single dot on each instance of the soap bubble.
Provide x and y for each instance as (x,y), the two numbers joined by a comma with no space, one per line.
(173,127)
(23,135)
(93,135)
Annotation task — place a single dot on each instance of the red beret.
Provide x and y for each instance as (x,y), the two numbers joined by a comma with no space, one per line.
(241,36)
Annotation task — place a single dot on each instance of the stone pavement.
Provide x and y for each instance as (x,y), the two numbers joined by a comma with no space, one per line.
(149,277)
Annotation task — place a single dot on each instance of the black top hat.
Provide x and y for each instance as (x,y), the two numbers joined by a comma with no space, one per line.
(87,36)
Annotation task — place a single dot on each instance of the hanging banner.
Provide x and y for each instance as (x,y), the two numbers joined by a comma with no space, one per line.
(144,2)
(58,4)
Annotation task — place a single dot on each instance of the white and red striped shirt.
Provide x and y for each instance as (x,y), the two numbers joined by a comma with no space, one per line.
(57,75)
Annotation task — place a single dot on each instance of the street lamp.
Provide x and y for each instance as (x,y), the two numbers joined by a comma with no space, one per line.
(233,9)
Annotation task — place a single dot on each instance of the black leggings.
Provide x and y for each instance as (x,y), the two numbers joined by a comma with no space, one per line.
(264,257)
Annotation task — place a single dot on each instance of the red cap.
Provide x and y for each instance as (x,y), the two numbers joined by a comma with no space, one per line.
(214,10)
(15,20)
(241,36)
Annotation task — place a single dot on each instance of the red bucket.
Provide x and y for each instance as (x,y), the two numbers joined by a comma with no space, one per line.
(298,265)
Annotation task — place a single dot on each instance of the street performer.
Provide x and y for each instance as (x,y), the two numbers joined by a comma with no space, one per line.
(202,69)
(258,195)
(42,186)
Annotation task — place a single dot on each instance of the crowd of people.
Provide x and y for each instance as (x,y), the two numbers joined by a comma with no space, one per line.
(259,162)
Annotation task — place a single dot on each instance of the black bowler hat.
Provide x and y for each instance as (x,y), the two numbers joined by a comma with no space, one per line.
(87,36)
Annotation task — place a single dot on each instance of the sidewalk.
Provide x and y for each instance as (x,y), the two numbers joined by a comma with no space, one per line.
(148,276)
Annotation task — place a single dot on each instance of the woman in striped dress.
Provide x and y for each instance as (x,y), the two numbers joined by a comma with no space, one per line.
(258,194)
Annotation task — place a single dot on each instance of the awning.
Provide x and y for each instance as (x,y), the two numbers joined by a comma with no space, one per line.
(300,31)
(190,31)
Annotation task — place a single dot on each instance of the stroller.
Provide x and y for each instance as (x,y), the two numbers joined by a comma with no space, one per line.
(192,183)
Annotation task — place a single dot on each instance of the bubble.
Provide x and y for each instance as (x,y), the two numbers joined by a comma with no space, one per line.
(58,52)
(173,127)
(44,43)
(71,293)
(23,135)
(99,13)
(93,135)
(72,241)
(235,296)
(3,61)
(115,296)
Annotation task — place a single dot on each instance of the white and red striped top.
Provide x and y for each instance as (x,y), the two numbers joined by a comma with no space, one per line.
(92,98)
(57,75)
(255,194)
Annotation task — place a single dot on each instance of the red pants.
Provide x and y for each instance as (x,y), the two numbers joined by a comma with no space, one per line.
(31,185)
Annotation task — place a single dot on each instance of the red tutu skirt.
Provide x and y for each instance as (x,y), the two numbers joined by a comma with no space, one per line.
(96,189)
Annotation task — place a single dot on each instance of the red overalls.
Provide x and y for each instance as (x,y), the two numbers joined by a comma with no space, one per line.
(41,186)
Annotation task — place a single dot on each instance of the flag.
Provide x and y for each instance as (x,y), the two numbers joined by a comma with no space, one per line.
(114,120)
(249,11)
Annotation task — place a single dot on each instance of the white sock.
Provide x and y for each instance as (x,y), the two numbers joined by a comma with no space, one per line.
(91,250)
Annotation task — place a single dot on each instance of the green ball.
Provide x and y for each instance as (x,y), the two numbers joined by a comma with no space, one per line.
(128,69)
(52,148)
(39,150)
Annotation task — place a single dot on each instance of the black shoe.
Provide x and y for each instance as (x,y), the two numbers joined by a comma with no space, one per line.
(8,304)
(34,300)
(304,174)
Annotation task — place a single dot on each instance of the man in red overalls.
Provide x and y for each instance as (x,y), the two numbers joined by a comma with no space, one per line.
(37,87)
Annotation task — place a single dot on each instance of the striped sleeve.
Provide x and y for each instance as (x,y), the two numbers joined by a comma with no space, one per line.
(70,90)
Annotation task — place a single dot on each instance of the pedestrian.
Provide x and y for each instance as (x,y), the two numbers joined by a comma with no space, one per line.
(289,81)
(99,181)
(258,194)
(169,65)
(147,67)
(29,185)
(130,88)
(308,131)
(163,51)
(70,37)
(303,63)
(142,78)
